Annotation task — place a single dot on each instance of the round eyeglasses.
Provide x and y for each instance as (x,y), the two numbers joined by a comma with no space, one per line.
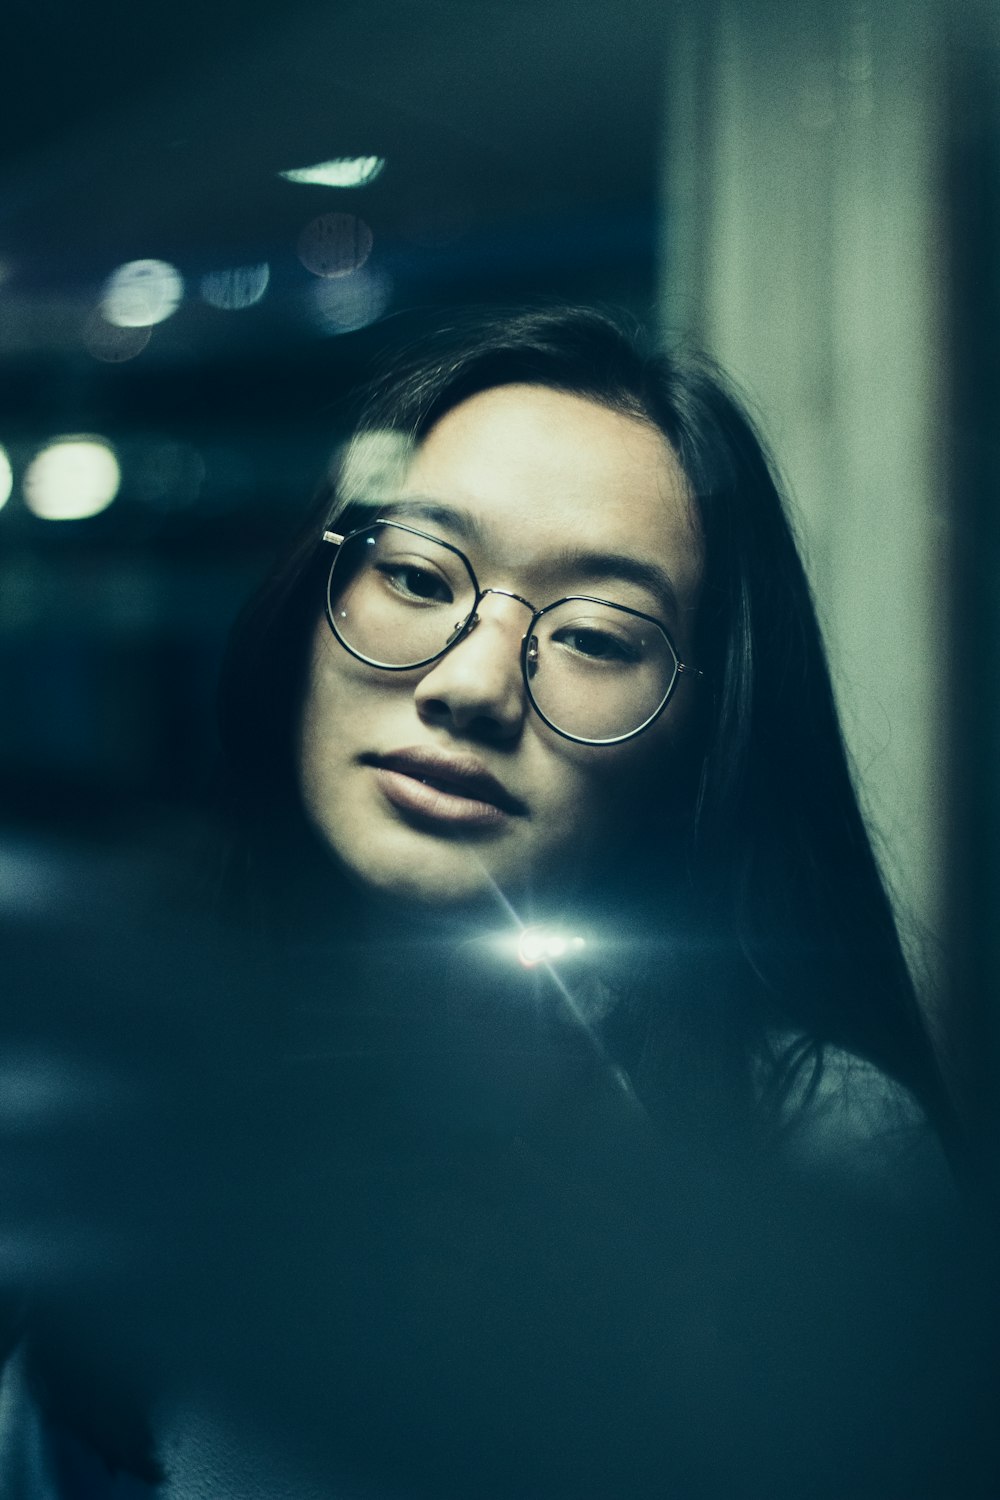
(595,672)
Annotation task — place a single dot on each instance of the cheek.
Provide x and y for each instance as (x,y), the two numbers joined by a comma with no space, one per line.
(318,710)
(317,775)
(343,693)
(331,705)
(641,790)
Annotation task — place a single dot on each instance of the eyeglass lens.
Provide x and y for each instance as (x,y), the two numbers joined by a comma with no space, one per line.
(595,671)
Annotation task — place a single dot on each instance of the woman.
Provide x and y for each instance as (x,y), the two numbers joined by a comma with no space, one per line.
(603,1158)
(734,803)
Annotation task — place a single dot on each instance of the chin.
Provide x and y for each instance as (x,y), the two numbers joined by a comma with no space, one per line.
(402,866)
(435,885)
(450,881)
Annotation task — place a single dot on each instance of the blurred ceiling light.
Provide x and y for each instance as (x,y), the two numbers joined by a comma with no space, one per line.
(235,288)
(346,303)
(110,343)
(141,293)
(341,172)
(6,477)
(72,478)
(335,245)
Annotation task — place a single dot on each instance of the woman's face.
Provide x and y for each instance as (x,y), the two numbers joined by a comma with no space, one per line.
(442,784)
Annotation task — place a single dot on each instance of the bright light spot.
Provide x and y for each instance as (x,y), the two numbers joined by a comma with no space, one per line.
(141,293)
(71,478)
(114,345)
(236,288)
(531,949)
(6,477)
(539,944)
(349,302)
(342,172)
(335,245)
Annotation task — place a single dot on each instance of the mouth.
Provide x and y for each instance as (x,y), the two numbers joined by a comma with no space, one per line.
(444,789)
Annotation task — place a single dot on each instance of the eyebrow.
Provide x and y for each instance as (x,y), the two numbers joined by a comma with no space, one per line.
(600,566)
(619,567)
(438,513)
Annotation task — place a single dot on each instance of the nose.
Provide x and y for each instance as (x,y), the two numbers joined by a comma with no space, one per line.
(477,688)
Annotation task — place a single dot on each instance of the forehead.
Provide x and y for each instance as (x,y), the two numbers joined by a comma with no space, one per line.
(538,469)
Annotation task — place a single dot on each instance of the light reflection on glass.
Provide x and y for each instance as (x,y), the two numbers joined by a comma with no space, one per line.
(6,477)
(347,303)
(341,172)
(113,344)
(235,288)
(335,245)
(72,478)
(141,293)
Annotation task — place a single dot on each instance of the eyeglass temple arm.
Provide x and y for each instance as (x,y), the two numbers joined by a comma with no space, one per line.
(682,666)
(333,536)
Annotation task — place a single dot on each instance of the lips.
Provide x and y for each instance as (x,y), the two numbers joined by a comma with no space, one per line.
(444,788)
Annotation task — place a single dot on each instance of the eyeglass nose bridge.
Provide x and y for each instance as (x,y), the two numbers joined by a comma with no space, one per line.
(465,628)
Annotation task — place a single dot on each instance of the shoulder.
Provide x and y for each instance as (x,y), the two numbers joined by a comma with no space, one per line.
(214,1453)
(26,1459)
(842,1119)
(40,1460)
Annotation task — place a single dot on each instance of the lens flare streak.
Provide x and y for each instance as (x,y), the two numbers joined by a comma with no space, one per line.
(617,1074)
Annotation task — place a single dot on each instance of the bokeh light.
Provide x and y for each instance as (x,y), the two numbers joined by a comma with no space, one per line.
(335,245)
(345,303)
(113,344)
(141,293)
(6,477)
(341,172)
(235,288)
(72,478)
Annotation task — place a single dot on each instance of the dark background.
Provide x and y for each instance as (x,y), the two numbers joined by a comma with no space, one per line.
(158,131)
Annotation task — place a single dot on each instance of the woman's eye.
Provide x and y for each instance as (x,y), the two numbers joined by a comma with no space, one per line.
(413,582)
(598,645)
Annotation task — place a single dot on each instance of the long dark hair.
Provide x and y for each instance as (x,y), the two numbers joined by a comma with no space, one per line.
(783,887)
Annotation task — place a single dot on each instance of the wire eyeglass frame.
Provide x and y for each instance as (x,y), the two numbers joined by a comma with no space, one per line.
(529,643)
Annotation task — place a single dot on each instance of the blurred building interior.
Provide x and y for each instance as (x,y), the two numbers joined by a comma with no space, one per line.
(208,214)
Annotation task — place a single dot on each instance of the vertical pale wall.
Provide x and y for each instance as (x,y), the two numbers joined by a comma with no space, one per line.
(801,193)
